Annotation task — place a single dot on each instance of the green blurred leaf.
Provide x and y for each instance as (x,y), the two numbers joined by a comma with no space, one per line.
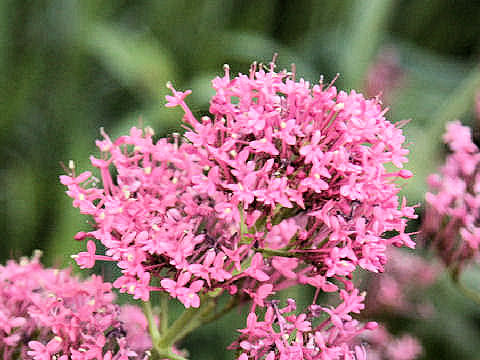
(162,120)
(138,60)
(368,22)
(20,203)
(61,244)
(249,47)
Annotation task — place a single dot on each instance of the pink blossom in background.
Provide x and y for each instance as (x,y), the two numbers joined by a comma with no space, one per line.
(385,75)
(382,345)
(394,291)
(47,314)
(451,221)
(135,326)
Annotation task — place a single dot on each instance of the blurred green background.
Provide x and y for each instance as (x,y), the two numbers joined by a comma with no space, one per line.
(69,67)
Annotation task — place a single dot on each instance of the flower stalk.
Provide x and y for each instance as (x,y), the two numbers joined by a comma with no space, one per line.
(190,320)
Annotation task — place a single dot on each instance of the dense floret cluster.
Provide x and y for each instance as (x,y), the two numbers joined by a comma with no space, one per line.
(320,333)
(48,314)
(284,183)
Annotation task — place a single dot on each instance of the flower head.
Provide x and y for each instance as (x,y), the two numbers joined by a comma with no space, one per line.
(61,316)
(283,183)
(286,335)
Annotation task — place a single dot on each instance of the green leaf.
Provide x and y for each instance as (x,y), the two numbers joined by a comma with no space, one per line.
(369,20)
(137,60)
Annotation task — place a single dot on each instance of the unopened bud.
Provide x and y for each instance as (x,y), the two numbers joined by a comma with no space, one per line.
(405,174)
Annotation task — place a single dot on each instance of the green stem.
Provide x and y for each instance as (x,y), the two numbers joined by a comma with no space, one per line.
(273,252)
(469,293)
(168,354)
(232,303)
(152,327)
(155,355)
(457,103)
(163,313)
(191,319)
(168,337)
(196,322)
(153,330)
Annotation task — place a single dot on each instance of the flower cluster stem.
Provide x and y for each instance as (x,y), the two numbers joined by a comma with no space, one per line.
(171,335)
(232,303)
(162,354)
(152,328)
(197,320)
(164,313)
(190,320)
(157,353)
(275,252)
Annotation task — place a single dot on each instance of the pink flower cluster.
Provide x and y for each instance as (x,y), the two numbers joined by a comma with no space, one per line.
(284,183)
(393,291)
(384,346)
(48,314)
(322,333)
(452,215)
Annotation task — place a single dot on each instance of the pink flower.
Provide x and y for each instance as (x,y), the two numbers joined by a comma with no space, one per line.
(283,183)
(451,216)
(264,145)
(59,314)
(187,295)
(280,235)
(295,337)
(256,268)
(384,346)
(261,294)
(285,266)
(44,352)
(405,348)
(86,260)
(320,282)
(177,98)
(136,326)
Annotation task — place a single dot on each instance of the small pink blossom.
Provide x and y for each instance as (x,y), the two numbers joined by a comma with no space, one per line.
(44,352)
(255,268)
(187,295)
(86,260)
